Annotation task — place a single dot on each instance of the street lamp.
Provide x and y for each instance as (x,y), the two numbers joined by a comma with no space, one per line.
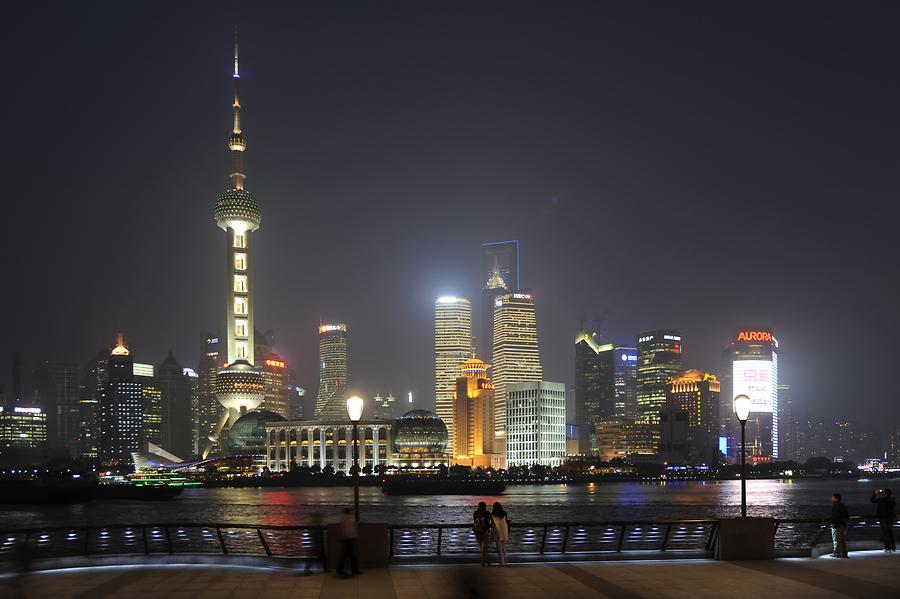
(355,410)
(742,411)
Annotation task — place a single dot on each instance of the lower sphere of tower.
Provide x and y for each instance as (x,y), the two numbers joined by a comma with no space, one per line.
(240,387)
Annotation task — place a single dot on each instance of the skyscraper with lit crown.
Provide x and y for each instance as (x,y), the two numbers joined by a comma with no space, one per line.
(452,347)
(239,386)
(332,369)
(516,354)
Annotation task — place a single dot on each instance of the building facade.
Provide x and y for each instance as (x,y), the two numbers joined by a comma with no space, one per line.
(452,346)
(516,355)
(332,369)
(23,431)
(318,444)
(595,390)
(696,394)
(473,416)
(754,360)
(121,411)
(536,431)
(625,438)
(625,372)
(58,393)
(659,359)
(496,286)
(208,409)
(176,428)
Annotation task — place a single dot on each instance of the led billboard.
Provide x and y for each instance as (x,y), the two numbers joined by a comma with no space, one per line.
(754,378)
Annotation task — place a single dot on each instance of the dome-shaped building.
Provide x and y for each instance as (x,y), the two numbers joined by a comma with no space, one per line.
(247,436)
(420,440)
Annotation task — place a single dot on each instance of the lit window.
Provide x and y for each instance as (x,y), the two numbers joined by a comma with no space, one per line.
(240,349)
(240,306)
(240,261)
(239,240)
(240,327)
(240,283)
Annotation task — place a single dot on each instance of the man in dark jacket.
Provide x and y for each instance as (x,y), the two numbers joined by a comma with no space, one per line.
(839,518)
(885,511)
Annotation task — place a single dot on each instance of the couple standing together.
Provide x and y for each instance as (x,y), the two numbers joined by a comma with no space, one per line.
(487,524)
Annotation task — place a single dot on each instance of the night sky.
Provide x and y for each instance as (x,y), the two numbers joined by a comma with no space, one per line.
(692,165)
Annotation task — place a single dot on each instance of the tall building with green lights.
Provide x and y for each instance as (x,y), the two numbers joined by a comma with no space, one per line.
(659,360)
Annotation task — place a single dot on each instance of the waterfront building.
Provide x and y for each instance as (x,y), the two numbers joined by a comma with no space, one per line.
(176,427)
(57,391)
(695,394)
(23,431)
(516,355)
(626,438)
(495,287)
(595,388)
(536,426)
(452,346)
(152,404)
(659,359)
(754,359)
(421,441)
(625,361)
(121,411)
(473,416)
(332,370)
(239,386)
(209,411)
(320,444)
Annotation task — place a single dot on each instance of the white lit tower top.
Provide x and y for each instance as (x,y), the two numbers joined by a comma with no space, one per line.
(239,387)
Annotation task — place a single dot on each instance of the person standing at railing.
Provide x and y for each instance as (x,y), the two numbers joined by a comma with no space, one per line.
(839,518)
(885,510)
(500,521)
(482,528)
(349,539)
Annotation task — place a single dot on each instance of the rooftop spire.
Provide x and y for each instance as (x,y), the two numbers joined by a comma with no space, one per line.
(236,141)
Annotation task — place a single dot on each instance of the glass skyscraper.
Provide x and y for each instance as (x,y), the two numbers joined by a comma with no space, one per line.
(332,371)
(659,359)
(516,355)
(595,392)
(452,347)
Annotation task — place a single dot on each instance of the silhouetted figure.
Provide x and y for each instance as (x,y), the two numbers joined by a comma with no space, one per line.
(349,539)
(839,518)
(316,549)
(500,522)
(482,528)
(885,510)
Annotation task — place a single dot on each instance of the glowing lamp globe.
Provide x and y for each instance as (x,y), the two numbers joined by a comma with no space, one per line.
(742,407)
(355,408)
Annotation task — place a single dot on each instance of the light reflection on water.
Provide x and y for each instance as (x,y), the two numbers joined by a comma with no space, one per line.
(805,498)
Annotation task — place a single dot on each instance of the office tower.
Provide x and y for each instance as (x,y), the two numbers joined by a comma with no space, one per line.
(121,411)
(58,393)
(516,353)
(276,374)
(659,359)
(194,383)
(502,256)
(536,427)
(495,287)
(23,431)
(625,373)
(787,425)
(209,410)
(695,394)
(175,390)
(239,386)
(93,381)
(332,370)
(595,392)
(624,438)
(472,443)
(754,359)
(152,403)
(452,346)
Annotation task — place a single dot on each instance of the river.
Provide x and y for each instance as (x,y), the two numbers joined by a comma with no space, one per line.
(801,498)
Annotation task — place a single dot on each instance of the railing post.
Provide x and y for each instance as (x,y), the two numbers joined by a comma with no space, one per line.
(565,539)
(666,536)
(144,536)
(262,540)
(391,552)
(621,539)
(544,539)
(440,535)
(168,540)
(222,540)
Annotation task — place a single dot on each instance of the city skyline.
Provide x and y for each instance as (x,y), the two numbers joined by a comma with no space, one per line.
(547,223)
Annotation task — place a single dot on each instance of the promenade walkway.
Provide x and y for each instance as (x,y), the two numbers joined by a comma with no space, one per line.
(866,574)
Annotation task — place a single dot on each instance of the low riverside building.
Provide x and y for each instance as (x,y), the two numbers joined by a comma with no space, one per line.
(536,424)
(322,443)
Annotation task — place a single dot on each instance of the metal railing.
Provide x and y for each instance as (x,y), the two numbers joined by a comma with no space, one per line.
(804,534)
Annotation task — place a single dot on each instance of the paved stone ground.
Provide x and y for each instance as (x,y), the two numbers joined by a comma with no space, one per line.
(866,574)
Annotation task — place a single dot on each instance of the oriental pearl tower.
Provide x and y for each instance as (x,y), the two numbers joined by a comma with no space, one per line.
(239,386)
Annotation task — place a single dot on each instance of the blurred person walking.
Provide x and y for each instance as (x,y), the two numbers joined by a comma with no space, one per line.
(885,510)
(349,540)
(500,525)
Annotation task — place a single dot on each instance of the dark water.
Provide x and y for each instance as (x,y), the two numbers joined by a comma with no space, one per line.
(809,498)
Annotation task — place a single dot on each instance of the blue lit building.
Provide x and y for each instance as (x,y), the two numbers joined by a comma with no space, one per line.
(625,360)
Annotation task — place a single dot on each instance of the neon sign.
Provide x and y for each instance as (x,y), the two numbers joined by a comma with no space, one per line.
(275,363)
(755,336)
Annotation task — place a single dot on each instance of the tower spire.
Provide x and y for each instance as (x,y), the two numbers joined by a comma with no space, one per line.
(236,141)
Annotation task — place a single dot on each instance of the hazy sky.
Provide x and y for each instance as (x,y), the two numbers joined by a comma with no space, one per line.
(692,165)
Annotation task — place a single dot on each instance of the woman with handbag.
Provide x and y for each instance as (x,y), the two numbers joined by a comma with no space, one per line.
(500,521)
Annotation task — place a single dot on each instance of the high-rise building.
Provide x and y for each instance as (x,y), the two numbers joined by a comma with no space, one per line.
(788,447)
(595,388)
(23,430)
(239,385)
(194,382)
(472,443)
(93,381)
(536,424)
(754,359)
(145,374)
(175,390)
(277,375)
(502,256)
(659,359)
(209,410)
(625,366)
(495,287)
(332,371)
(121,410)
(696,394)
(516,355)
(58,393)
(452,346)
(624,438)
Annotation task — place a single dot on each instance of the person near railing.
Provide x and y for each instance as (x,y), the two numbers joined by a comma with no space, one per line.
(839,518)
(481,526)
(316,550)
(885,510)
(349,539)
(500,522)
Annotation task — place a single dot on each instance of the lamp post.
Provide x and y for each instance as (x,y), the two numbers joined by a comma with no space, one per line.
(355,410)
(742,411)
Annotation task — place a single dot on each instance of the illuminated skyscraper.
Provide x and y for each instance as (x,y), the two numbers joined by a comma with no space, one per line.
(516,355)
(625,360)
(754,360)
(472,443)
(595,391)
(495,287)
(696,394)
(659,359)
(504,256)
(332,369)
(121,411)
(452,346)
(208,410)
(239,386)
(536,432)
(276,374)
(145,374)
